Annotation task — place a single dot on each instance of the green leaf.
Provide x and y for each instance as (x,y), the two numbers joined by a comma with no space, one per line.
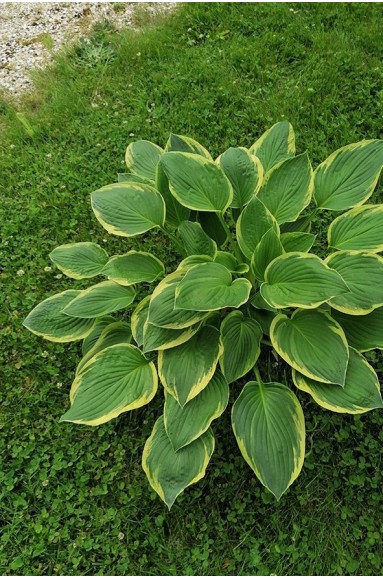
(301,225)
(269,427)
(230,262)
(133,178)
(162,310)
(133,267)
(213,227)
(195,240)
(185,424)
(79,260)
(241,339)
(196,182)
(264,318)
(192,260)
(175,212)
(113,334)
(293,242)
(115,380)
(286,189)
(128,209)
(98,327)
(275,145)
(364,333)
(349,176)
(363,273)
(361,391)
(159,338)
(186,370)
(254,221)
(47,319)
(358,230)
(258,302)
(185,144)
(268,249)
(99,300)
(142,157)
(312,343)
(138,319)
(300,280)
(209,287)
(170,472)
(245,173)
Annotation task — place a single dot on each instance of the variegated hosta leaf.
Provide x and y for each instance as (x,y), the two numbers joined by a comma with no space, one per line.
(195,240)
(79,260)
(138,319)
(244,171)
(287,188)
(128,209)
(301,225)
(212,227)
(115,380)
(193,260)
(363,273)
(142,157)
(187,369)
(133,267)
(268,249)
(312,343)
(275,145)
(297,241)
(47,319)
(364,333)
(133,178)
(209,287)
(175,212)
(99,300)
(241,339)
(196,182)
(269,427)
(185,424)
(258,302)
(300,280)
(158,338)
(170,472)
(361,391)
(113,334)
(162,310)
(185,144)
(358,230)
(254,221)
(97,329)
(264,318)
(230,262)
(349,176)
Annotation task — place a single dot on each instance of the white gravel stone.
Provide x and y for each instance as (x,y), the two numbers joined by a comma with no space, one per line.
(31,32)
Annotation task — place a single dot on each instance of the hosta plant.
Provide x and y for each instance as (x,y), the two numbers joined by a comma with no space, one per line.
(245,281)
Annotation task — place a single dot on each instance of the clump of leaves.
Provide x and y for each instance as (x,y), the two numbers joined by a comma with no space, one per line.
(245,279)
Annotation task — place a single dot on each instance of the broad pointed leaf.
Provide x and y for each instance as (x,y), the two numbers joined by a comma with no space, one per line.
(358,230)
(230,262)
(115,380)
(185,424)
(185,144)
(293,242)
(99,300)
(175,212)
(286,189)
(79,260)
(212,227)
(195,240)
(47,319)
(142,157)
(98,327)
(209,287)
(138,319)
(363,273)
(268,249)
(133,267)
(269,427)
(300,280)
(196,182)
(361,391)
(312,343)
(113,334)
(364,333)
(241,339)
(244,171)
(128,209)
(349,176)
(133,178)
(170,472)
(159,338)
(186,370)
(275,145)
(301,225)
(254,221)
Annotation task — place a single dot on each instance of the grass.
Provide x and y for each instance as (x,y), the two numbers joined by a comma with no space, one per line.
(74,500)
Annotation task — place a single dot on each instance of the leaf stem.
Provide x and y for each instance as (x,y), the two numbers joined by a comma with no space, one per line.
(232,242)
(266,342)
(257,375)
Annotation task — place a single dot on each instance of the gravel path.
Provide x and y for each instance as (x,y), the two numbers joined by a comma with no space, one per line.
(30,32)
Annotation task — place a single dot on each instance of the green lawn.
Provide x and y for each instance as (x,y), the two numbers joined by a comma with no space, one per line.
(74,500)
